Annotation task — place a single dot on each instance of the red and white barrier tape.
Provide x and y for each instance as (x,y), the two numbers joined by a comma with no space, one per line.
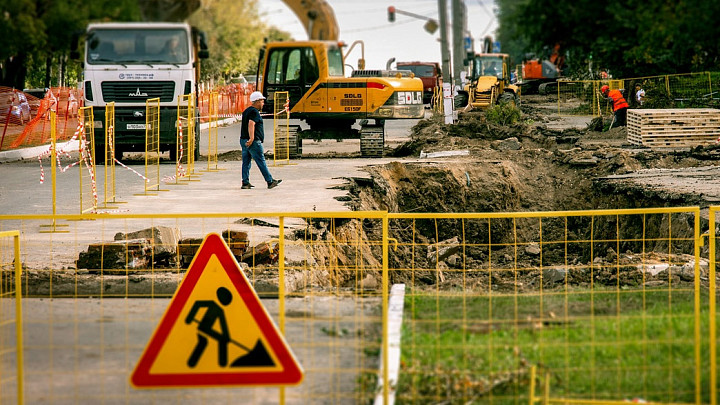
(180,168)
(57,155)
(86,156)
(112,148)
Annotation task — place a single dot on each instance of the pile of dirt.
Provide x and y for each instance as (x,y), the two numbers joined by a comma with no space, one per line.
(523,167)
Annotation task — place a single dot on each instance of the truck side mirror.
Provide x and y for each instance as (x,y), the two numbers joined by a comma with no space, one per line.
(203,54)
(74,55)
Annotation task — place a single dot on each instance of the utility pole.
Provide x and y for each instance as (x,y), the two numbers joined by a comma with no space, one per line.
(459,28)
(444,48)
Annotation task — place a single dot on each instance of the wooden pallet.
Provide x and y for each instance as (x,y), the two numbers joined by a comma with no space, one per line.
(682,127)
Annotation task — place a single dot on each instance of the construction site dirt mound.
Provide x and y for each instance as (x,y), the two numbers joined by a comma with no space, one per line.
(525,166)
(479,166)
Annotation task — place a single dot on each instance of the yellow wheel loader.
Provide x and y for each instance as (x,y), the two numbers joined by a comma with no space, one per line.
(488,83)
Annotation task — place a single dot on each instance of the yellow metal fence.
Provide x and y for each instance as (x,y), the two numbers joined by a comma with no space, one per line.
(553,307)
(691,90)
(87,167)
(152,145)
(11,319)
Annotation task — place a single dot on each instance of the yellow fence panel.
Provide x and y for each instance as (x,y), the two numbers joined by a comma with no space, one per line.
(212,153)
(713,316)
(286,137)
(610,304)
(578,97)
(319,276)
(152,146)
(11,319)
(185,144)
(110,193)
(582,307)
(690,90)
(87,170)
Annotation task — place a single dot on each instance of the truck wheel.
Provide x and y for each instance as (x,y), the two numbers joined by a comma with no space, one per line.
(372,141)
(290,147)
(508,98)
(461,100)
(173,153)
(99,154)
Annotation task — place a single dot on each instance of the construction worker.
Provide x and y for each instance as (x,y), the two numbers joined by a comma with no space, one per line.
(620,106)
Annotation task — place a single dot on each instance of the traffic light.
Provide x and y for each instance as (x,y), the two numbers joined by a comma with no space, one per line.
(391,14)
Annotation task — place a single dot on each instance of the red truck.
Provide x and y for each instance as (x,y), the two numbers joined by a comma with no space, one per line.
(430,74)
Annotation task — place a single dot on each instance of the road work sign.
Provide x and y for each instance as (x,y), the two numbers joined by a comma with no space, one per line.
(216,331)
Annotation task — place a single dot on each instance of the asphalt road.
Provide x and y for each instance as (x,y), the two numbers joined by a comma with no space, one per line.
(310,181)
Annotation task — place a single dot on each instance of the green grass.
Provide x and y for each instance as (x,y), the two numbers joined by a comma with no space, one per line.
(605,345)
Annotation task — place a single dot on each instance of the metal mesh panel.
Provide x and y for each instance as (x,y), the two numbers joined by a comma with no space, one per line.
(88,181)
(606,304)
(152,145)
(212,152)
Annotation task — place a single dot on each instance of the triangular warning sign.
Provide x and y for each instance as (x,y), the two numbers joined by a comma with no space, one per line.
(216,332)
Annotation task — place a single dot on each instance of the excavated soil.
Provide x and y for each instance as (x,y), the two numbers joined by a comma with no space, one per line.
(526,166)
(532,165)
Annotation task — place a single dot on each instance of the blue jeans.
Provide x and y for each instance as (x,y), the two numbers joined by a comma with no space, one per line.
(254,152)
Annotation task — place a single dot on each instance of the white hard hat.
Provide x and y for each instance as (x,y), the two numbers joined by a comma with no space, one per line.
(255,96)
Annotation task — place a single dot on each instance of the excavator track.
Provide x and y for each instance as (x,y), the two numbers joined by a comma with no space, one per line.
(289,147)
(372,140)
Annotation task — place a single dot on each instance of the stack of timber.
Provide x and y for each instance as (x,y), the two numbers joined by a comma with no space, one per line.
(686,127)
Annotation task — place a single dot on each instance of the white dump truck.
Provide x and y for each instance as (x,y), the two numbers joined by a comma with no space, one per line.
(129,63)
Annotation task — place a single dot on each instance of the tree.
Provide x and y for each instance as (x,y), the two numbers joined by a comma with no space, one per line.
(629,37)
(20,34)
(235,34)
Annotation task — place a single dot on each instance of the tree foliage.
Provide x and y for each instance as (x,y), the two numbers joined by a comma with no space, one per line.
(235,34)
(629,37)
(35,36)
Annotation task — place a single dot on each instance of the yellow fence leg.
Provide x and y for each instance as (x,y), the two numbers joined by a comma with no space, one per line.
(88,191)
(18,313)
(152,146)
(212,155)
(53,173)
(713,310)
(110,197)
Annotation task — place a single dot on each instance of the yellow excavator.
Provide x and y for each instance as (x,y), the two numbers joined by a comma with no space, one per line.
(313,74)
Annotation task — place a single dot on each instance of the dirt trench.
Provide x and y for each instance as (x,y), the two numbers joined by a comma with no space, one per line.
(525,167)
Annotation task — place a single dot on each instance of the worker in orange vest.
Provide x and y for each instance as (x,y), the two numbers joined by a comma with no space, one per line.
(620,105)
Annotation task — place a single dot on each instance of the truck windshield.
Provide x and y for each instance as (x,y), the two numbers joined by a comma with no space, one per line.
(137,46)
(335,62)
(419,70)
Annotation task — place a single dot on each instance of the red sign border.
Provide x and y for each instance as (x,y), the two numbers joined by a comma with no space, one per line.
(291,374)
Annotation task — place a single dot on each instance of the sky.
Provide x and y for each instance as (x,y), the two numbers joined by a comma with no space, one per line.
(367,20)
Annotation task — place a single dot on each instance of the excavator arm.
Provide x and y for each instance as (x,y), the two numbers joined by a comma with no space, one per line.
(316,16)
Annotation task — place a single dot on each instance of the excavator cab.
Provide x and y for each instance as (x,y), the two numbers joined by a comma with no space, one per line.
(294,68)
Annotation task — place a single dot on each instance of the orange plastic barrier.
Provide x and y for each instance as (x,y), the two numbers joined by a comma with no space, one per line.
(32,128)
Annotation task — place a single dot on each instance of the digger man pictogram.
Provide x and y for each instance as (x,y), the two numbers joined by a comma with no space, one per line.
(255,357)
(213,313)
